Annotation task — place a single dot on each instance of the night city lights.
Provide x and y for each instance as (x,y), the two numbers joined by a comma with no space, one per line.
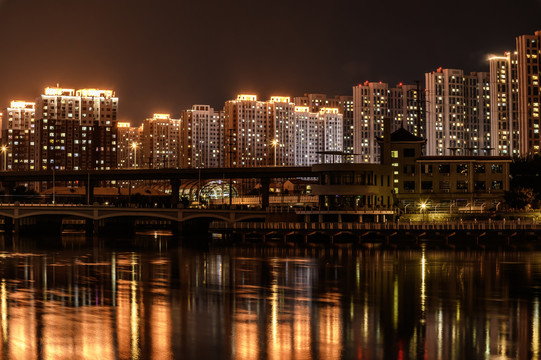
(270,180)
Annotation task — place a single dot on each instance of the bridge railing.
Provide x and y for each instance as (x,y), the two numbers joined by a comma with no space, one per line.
(390,225)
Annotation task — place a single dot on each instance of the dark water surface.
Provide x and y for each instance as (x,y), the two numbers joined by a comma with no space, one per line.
(102,301)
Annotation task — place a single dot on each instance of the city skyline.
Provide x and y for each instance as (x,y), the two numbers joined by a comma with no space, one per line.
(191,53)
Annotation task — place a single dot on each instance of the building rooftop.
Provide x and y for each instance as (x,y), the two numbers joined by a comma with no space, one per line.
(403,135)
(441,158)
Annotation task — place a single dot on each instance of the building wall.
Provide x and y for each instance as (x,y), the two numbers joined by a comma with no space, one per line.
(248,130)
(344,104)
(76,130)
(308,136)
(504,104)
(202,137)
(282,112)
(18,136)
(529,100)
(372,102)
(333,134)
(160,142)
(129,152)
(458,113)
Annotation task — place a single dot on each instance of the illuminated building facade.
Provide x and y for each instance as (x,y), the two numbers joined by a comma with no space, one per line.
(18,136)
(529,100)
(76,130)
(248,132)
(202,138)
(308,136)
(160,142)
(259,133)
(344,104)
(129,150)
(516,98)
(317,133)
(372,102)
(282,112)
(480,134)
(406,108)
(458,113)
(333,136)
(504,103)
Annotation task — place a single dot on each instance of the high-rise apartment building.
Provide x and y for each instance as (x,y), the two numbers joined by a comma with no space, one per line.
(76,130)
(282,113)
(259,133)
(458,113)
(516,97)
(332,123)
(129,150)
(373,102)
(202,138)
(248,132)
(18,136)
(319,136)
(529,99)
(481,136)
(160,142)
(504,103)
(344,104)
(308,136)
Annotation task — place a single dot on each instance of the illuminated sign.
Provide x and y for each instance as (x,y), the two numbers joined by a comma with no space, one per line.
(285,99)
(123,124)
(18,104)
(95,93)
(329,110)
(58,91)
(302,109)
(247,97)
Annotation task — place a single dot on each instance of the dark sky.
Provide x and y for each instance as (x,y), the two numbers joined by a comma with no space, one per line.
(164,56)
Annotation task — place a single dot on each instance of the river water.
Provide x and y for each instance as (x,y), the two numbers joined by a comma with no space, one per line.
(105,300)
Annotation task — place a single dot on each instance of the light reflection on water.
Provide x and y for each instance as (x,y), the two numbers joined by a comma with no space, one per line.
(275,303)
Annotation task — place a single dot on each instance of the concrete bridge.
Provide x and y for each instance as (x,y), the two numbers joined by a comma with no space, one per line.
(105,212)
(13,213)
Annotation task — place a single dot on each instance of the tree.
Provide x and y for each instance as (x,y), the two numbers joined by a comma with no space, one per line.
(520,198)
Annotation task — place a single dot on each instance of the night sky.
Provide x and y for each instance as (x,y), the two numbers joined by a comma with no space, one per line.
(164,56)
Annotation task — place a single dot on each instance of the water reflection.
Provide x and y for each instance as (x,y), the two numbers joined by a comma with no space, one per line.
(275,303)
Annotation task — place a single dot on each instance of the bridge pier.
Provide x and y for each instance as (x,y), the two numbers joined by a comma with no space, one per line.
(92,227)
(176,227)
(265,193)
(89,185)
(8,190)
(8,225)
(175,191)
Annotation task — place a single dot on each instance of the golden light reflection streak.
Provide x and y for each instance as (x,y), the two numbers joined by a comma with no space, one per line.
(423,286)
(274,305)
(4,296)
(134,313)
(535,330)
(395,302)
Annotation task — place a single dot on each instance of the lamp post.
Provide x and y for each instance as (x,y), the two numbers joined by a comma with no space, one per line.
(406,208)
(134,147)
(275,144)
(423,209)
(5,151)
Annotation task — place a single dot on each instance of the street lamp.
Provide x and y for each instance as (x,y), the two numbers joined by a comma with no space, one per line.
(275,144)
(423,206)
(134,147)
(5,151)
